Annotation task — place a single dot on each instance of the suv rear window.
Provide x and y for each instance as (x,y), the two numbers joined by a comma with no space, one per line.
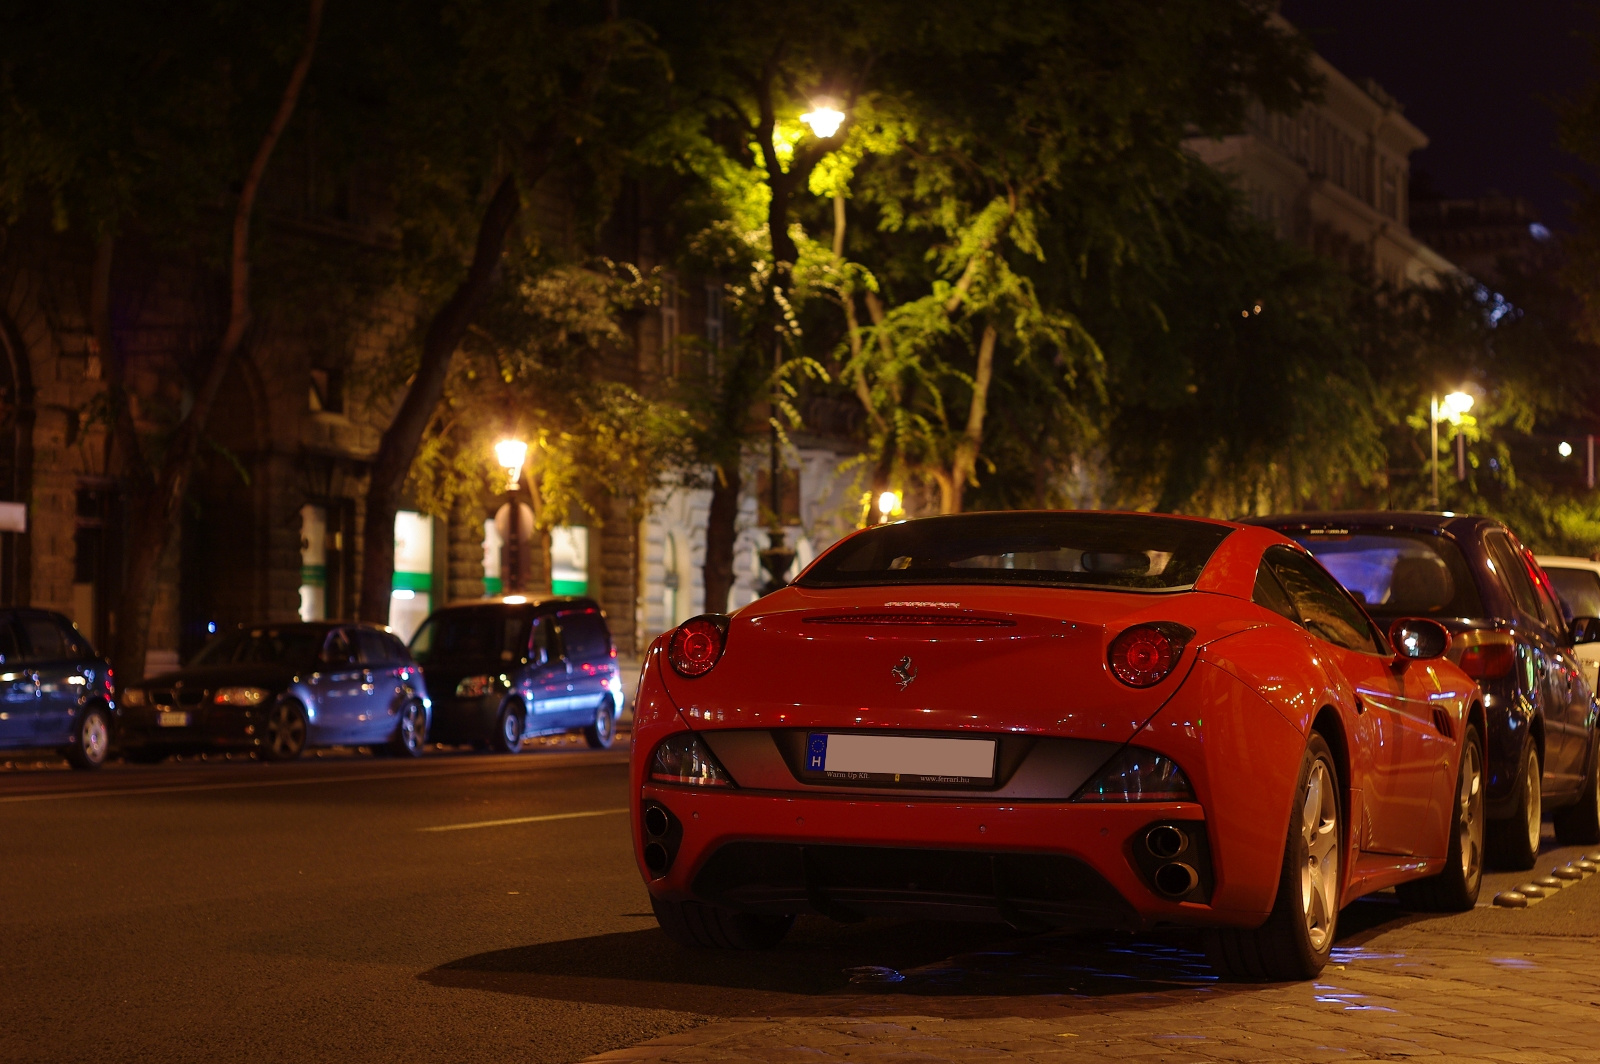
(1395,573)
(584,636)
(1579,589)
(1134,552)
(473,632)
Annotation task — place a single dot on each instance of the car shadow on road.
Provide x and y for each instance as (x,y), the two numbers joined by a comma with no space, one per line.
(951,970)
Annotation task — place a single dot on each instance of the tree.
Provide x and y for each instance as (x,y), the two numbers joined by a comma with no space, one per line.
(1031,179)
(106,158)
(512,88)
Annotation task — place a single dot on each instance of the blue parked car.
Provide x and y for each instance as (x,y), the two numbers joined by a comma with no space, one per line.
(1508,631)
(55,691)
(276,689)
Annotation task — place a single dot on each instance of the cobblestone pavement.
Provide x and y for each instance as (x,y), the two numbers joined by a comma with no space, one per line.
(1508,986)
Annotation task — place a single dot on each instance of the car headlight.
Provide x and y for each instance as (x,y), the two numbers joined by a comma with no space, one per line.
(241,696)
(476,686)
(685,758)
(135,696)
(1137,775)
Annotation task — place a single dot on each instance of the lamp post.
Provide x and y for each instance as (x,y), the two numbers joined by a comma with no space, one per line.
(511,454)
(824,121)
(1450,409)
(888,506)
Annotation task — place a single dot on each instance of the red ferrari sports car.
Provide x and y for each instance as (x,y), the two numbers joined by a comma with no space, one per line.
(1057,719)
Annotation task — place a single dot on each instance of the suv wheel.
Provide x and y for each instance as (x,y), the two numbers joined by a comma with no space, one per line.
(507,737)
(1514,842)
(603,732)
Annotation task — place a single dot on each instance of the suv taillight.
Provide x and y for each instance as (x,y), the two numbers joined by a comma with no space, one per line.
(697,644)
(1491,657)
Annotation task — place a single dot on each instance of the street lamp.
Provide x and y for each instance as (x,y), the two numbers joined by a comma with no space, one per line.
(888,506)
(823,119)
(1451,409)
(511,454)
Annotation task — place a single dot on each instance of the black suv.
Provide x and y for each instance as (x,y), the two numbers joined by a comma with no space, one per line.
(503,671)
(55,691)
(1507,632)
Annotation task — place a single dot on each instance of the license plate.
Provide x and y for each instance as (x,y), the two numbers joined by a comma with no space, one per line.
(170,719)
(904,759)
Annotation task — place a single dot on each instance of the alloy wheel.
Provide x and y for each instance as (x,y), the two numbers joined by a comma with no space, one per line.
(413,725)
(1533,801)
(1319,875)
(604,722)
(286,730)
(511,728)
(96,738)
(1470,800)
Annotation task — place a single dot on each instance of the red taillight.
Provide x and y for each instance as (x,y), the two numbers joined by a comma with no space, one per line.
(697,644)
(1489,661)
(1146,654)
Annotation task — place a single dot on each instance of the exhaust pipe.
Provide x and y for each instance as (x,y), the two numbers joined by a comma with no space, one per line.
(1175,879)
(1165,842)
(662,835)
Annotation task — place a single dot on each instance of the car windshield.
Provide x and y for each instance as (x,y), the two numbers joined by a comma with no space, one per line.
(294,647)
(1139,552)
(1579,589)
(1396,573)
(473,632)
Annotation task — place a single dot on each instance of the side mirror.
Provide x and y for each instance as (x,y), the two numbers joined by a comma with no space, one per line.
(1418,638)
(1584,630)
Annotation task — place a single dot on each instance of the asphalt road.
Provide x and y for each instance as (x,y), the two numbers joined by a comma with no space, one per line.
(460,908)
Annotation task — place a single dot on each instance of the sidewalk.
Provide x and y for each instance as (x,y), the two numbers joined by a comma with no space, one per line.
(1509,986)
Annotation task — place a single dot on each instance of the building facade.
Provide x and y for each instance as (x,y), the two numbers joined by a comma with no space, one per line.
(1334,177)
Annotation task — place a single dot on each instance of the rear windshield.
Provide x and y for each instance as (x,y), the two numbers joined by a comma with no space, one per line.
(296,648)
(1398,573)
(1139,552)
(473,632)
(1579,590)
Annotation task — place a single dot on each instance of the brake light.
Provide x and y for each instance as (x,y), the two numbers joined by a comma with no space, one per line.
(1489,660)
(697,644)
(1146,654)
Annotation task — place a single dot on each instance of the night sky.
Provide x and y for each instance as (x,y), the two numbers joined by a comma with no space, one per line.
(1476,76)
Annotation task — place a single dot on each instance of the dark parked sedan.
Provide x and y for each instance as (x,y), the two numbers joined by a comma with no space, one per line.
(55,691)
(504,671)
(276,689)
(1508,632)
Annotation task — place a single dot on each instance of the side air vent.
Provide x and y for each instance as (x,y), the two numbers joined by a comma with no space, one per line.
(1442,721)
(934,620)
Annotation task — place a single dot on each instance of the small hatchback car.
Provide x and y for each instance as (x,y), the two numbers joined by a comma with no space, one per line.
(55,691)
(276,689)
(505,671)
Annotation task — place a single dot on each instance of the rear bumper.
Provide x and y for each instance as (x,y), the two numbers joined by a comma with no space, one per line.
(1057,865)
(210,727)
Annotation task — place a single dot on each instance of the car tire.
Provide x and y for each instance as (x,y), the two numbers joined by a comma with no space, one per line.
(603,732)
(284,733)
(507,738)
(1514,842)
(1579,825)
(1298,936)
(411,731)
(1455,889)
(701,926)
(91,739)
